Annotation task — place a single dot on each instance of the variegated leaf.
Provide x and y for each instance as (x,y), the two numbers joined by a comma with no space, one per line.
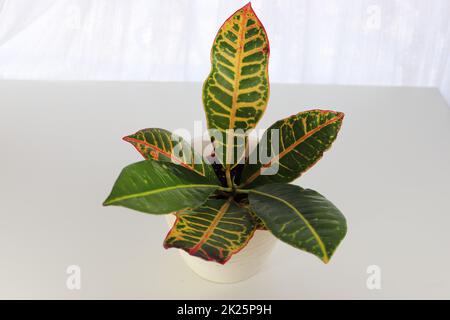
(214,231)
(301,139)
(257,220)
(162,145)
(236,92)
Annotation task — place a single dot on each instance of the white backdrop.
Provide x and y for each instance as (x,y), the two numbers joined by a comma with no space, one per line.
(375,42)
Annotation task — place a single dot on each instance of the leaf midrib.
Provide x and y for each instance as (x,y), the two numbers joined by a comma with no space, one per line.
(155,191)
(165,153)
(325,257)
(237,78)
(238,70)
(207,233)
(291,147)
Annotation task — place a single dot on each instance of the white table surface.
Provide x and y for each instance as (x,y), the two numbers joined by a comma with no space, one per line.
(61,150)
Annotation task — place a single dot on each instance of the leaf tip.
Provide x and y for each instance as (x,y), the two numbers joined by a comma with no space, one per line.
(248,8)
(107,202)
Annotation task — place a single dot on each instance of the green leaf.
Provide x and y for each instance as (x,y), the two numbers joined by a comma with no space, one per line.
(300,217)
(236,92)
(159,187)
(214,231)
(256,220)
(302,140)
(162,145)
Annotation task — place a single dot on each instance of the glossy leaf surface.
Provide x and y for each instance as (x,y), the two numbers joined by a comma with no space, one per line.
(300,217)
(159,187)
(301,140)
(236,92)
(163,145)
(214,231)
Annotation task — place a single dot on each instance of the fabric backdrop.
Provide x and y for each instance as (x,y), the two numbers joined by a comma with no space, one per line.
(367,42)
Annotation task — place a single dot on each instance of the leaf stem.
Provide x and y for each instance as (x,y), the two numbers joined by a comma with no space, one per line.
(233,190)
(242,190)
(225,189)
(228,176)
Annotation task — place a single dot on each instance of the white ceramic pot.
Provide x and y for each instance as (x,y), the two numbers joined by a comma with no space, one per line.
(241,266)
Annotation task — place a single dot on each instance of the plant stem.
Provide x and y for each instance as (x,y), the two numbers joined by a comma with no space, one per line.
(225,189)
(228,176)
(233,190)
(242,190)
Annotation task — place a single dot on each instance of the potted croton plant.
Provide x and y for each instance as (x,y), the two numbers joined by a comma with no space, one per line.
(229,206)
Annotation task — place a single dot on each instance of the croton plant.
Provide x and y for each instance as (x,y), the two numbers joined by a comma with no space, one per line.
(219,205)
